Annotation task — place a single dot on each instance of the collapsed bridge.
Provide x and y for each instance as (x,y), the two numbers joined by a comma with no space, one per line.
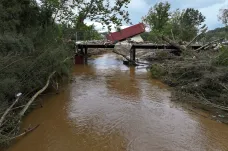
(127,36)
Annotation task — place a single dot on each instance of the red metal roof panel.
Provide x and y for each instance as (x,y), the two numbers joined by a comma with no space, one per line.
(126,33)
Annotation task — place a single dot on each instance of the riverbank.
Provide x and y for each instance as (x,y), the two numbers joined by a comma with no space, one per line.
(199,78)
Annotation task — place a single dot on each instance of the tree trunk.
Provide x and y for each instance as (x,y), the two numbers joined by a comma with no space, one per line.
(193,39)
(208,44)
(171,42)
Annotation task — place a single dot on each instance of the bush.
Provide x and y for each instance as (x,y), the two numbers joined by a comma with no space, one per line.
(200,77)
(156,71)
(222,58)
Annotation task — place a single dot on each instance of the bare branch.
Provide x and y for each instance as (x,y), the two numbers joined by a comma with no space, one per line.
(36,95)
(208,44)
(193,40)
(7,111)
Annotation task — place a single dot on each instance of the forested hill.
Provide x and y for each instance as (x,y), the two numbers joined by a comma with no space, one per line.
(217,33)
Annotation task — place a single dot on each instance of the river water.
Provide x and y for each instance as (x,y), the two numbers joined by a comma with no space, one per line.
(110,107)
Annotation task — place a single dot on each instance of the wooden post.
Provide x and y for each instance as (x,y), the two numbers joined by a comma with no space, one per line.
(82,52)
(132,56)
(86,55)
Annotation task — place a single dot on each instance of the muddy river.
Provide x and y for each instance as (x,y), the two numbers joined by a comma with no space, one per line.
(110,107)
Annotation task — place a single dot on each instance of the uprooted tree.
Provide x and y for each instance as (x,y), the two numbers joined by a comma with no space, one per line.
(200,75)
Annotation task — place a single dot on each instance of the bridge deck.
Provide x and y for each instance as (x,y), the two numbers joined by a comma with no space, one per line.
(136,46)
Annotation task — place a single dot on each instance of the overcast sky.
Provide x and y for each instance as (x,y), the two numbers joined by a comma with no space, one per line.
(209,8)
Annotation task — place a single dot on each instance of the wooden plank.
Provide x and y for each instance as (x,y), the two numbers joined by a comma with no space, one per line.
(136,46)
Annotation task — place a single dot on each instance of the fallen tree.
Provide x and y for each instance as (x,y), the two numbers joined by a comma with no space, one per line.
(201,76)
(186,47)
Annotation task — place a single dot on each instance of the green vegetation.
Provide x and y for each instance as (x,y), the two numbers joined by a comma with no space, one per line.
(156,71)
(204,77)
(35,41)
(216,34)
(200,76)
(179,24)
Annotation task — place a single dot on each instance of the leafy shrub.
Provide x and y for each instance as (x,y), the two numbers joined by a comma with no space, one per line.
(222,58)
(157,71)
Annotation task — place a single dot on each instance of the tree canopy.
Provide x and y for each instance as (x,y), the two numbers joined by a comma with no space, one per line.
(75,12)
(178,24)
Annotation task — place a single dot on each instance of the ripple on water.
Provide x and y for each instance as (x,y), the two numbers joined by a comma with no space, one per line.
(110,107)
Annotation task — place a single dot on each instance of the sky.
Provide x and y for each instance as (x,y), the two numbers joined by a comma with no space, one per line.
(209,8)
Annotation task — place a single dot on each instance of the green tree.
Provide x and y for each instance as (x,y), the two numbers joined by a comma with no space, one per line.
(158,16)
(74,12)
(178,25)
(190,21)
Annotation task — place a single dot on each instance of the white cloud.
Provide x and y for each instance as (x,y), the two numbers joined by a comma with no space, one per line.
(139,8)
(209,8)
(211,13)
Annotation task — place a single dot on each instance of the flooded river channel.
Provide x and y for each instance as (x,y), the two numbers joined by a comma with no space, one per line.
(110,107)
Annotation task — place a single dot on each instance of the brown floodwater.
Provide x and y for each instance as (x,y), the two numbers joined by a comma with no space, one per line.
(110,107)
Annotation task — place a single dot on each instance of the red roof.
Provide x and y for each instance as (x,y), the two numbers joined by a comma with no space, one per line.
(126,33)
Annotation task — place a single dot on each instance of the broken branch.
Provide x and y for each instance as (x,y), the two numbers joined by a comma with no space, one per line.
(29,130)
(193,40)
(7,111)
(208,44)
(36,95)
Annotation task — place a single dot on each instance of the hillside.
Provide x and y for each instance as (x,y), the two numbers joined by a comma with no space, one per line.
(217,33)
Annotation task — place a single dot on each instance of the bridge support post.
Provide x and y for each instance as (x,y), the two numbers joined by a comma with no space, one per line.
(86,55)
(132,56)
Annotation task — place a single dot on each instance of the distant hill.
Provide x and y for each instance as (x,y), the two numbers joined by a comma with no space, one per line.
(216,34)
